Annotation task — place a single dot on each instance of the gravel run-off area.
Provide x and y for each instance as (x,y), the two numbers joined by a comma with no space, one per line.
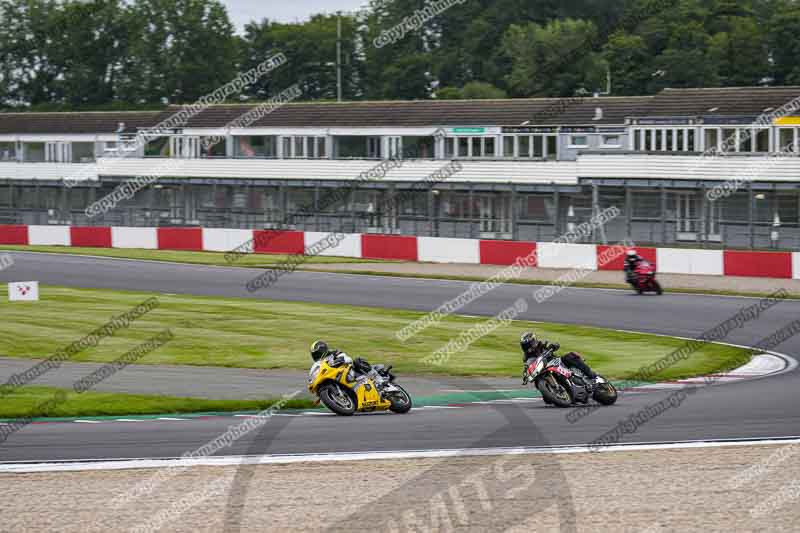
(741,488)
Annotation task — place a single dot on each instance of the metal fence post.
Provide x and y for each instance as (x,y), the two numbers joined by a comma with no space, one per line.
(750,215)
(514,231)
(556,211)
(38,201)
(706,216)
(17,217)
(472,232)
(92,194)
(628,212)
(663,215)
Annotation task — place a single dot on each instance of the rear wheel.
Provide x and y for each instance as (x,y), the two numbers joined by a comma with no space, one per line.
(401,401)
(553,391)
(605,394)
(338,399)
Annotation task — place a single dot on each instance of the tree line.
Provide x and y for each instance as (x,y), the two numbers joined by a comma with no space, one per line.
(129,54)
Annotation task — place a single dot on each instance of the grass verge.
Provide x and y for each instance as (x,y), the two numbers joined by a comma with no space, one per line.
(193,258)
(244,333)
(34,402)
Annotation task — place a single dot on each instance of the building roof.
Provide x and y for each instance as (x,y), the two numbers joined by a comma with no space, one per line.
(738,101)
(424,113)
(87,122)
(732,101)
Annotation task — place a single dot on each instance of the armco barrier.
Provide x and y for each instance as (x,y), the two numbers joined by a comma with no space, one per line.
(350,246)
(618,261)
(440,250)
(279,242)
(557,255)
(90,237)
(701,262)
(190,239)
(506,253)
(225,240)
(796,263)
(49,235)
(758,264)
(389,247)
(14,235)
(142,238)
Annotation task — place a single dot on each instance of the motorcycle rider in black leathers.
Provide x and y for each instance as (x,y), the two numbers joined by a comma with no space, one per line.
(532,347)
(632,260)
(319,350)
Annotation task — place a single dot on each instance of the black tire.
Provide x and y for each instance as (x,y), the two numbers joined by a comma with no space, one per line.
(605,394)
(401,401)
(658,288)
(564,399)
(335,397)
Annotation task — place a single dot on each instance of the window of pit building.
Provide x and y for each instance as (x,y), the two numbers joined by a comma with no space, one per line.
(463,146)
(356,147)
(450,148)
(159,147)
(612,141)
(218,149)
(508,146)
(34,152)
(83,152)
(579,141)
(418,148)
(787,140)
(8,151)
(524,146)
(255,146)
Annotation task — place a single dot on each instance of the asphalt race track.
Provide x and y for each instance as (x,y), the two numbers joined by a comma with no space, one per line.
(764,408)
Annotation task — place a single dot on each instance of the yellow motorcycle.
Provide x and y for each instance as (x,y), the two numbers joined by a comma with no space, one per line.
(334,381)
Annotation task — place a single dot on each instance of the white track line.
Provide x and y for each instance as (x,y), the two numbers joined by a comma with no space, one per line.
(18,468)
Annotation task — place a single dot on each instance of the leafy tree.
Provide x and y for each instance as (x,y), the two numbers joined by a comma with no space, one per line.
(93,40)
(311,50)
(474,90)
(784,31)
(555,60)
(738,46)
(630,63)
(182,50)
(30,76)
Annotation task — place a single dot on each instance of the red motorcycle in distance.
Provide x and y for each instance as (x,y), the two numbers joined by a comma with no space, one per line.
(645,280)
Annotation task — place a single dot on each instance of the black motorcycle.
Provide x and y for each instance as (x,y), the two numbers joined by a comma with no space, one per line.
(562,386)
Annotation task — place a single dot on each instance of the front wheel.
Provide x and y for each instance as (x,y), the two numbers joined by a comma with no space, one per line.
(605,394)
(401,401)
(553,391)
(338,399)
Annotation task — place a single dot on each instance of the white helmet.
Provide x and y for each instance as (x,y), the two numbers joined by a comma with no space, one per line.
(632,253)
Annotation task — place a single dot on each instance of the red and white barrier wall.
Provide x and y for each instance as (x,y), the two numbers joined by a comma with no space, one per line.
(408,248)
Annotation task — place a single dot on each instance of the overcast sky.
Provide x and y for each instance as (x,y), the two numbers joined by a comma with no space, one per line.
(243,11)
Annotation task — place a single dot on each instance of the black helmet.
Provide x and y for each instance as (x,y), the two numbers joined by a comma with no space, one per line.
(319,350)
(528,341)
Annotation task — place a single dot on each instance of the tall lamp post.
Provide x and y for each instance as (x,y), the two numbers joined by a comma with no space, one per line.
(339,56)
